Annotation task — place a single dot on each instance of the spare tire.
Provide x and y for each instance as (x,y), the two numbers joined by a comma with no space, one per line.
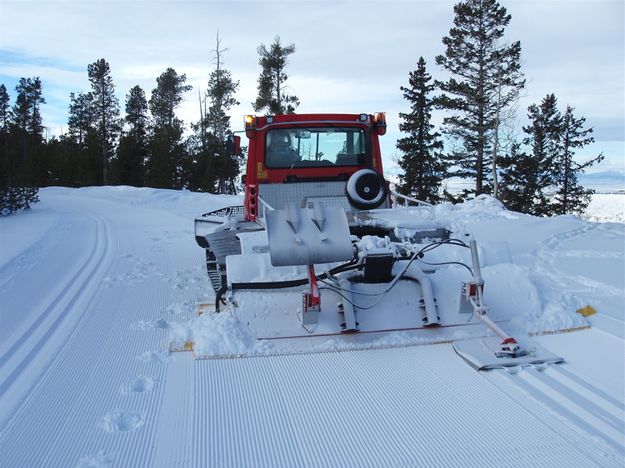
(366,189)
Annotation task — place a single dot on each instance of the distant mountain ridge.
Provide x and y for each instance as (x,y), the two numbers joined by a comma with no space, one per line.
(605,181)
(618,174)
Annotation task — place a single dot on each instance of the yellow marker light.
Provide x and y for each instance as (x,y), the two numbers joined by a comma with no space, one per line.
(249,121)
(587,311)
(380,122)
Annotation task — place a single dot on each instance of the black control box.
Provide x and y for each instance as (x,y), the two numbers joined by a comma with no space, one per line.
(378,268)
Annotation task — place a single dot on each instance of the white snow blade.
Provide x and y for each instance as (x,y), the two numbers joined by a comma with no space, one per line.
(480,354)
(303,236)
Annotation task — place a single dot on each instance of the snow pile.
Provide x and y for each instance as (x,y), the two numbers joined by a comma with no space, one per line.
(482,207)
(217,334)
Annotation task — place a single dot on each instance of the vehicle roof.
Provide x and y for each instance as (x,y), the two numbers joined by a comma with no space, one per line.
(288,118)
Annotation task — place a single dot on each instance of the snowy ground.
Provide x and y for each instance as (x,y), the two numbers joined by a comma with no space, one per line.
(608,207)
(93,280)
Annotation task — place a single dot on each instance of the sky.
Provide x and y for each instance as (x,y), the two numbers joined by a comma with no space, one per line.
(351,57)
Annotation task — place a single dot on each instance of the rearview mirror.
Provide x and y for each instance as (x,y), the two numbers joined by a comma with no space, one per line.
(233,145)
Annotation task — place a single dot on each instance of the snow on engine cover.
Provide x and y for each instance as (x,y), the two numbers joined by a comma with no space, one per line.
(303,236)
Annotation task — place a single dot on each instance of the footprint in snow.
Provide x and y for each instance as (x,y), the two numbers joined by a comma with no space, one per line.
(122,421)
(139,384)
(162,357)
(147,325)
(99,460)
(182,308)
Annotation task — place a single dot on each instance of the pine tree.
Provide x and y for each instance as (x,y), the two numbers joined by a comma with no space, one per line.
(28,133)
(486,79)
(220,92)
(213,169)
(105,112)
(21,107)
(529,178)
(24,146)
(35,125)
(166,151)
(133,144)
(26,114)
(137,109)
(272,80)
(543,136)
(544,181)
(167,95)
(5,116)
(5,110)
(522,187)
(422,161)
(81,116)
(59,170)
(82,146)
(571,197)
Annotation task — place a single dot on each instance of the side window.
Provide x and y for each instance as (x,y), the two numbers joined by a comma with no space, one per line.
(353,151)
(279,151)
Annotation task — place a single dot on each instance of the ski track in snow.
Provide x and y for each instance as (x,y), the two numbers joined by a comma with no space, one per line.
(85,378)
(62,313)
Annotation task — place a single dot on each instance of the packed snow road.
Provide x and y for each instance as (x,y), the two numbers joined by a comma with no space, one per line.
(92,280)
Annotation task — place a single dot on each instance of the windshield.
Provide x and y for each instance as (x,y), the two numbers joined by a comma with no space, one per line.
(315,147)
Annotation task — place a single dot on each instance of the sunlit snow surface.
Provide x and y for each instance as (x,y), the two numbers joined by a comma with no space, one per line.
(94,283)
(607,207)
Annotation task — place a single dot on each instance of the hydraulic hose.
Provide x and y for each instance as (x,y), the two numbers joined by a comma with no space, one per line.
(259,285)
